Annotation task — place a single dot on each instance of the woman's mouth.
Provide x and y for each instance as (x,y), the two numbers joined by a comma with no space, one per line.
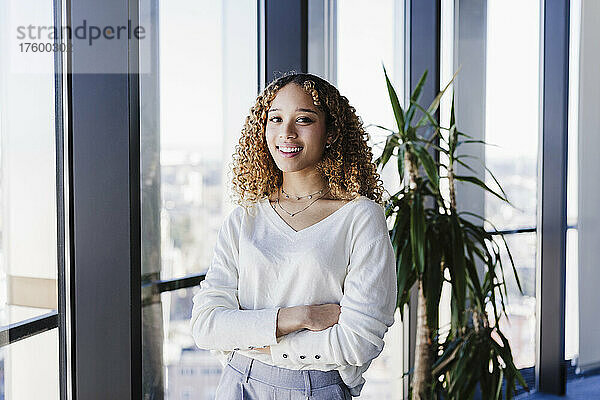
(289,152)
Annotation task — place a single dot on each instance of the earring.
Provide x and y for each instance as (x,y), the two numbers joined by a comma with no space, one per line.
(328,145)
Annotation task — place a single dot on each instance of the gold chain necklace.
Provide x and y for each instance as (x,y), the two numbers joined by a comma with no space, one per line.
(300,197)
(292,214)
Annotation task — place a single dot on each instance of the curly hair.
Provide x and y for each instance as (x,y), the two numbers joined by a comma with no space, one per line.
(346,165)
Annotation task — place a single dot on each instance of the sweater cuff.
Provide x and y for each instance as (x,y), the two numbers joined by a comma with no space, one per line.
(303,347)
(265,330)
(260,328)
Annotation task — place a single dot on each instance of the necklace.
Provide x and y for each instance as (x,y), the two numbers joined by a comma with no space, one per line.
(301,197)
(292,214)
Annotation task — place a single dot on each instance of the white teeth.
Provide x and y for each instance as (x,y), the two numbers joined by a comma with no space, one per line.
(290,149)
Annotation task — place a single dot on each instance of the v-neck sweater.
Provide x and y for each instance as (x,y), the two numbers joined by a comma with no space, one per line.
(260,264)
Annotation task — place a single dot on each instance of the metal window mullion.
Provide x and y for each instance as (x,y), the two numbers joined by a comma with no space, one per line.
(104,218)
(552,195)
(64,365)
(282,37)
(422,52)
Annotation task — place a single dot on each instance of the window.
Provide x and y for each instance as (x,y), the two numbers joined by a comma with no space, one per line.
(34,359)
(369,33)
(201,85)
(28,246)
(512,127)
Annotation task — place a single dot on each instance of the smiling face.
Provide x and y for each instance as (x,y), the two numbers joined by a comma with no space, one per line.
(296,130)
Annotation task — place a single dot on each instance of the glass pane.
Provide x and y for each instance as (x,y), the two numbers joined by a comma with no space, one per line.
(571,298)
(202,81)
(512,85)
(369,33)
(28,245)
(512,110)
(28,167)
(192,373)
(520,326)
(12,314)
(31,360)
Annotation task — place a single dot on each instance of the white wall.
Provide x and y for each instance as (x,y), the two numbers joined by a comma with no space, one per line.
(589,186)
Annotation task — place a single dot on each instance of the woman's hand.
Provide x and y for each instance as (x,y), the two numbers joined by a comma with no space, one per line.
(266,350)
(290,319)
(322,316)
(313,317)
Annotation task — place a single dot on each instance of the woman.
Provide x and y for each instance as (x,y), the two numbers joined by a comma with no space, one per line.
(302,286)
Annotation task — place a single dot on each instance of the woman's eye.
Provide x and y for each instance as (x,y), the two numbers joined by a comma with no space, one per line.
(299,119)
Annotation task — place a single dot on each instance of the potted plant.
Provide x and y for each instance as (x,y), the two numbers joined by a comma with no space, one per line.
(432,240)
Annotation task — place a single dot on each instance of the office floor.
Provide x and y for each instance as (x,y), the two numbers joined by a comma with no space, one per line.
(577,389)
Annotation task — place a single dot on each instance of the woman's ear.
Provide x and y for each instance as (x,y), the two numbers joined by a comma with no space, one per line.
(328,141)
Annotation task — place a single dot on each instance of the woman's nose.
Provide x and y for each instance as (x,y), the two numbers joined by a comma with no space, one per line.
(289,130)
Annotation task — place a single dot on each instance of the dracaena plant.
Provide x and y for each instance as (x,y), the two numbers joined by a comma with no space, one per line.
(433,243)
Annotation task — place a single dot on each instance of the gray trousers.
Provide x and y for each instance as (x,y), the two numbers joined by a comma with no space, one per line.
(245,378)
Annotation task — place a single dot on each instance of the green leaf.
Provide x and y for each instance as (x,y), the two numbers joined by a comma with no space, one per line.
(417,233)
(452,115)
(512,262)
(436,101)
(433,278)
(413,99)
(457,158)
(400,160)
(463,134)
(505,245)
(498,395)
(438,148)
(429,165)
(411,134)
(406,275)
(398,113)
(427,116)
(390,143)
(506,354)
(447,358)
(478,182)
(380,127)
(401,243)
(458,270)
(474,276)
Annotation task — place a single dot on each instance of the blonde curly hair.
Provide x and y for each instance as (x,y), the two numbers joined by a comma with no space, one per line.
(346,165)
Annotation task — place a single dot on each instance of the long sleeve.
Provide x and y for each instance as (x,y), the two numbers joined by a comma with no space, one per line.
(217,322)
(367,311)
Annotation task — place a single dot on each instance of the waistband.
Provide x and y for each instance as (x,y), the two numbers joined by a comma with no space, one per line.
(306,379)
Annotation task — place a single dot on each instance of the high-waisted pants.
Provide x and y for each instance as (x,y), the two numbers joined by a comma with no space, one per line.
(245,378)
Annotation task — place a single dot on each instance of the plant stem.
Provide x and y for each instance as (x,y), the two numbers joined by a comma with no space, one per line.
(421,384)
(410,165)
(451,187)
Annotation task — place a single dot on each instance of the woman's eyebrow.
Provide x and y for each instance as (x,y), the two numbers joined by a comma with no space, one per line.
(297,109)
(307,110)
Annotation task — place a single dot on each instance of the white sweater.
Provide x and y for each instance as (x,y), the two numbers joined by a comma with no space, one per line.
(261,264)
